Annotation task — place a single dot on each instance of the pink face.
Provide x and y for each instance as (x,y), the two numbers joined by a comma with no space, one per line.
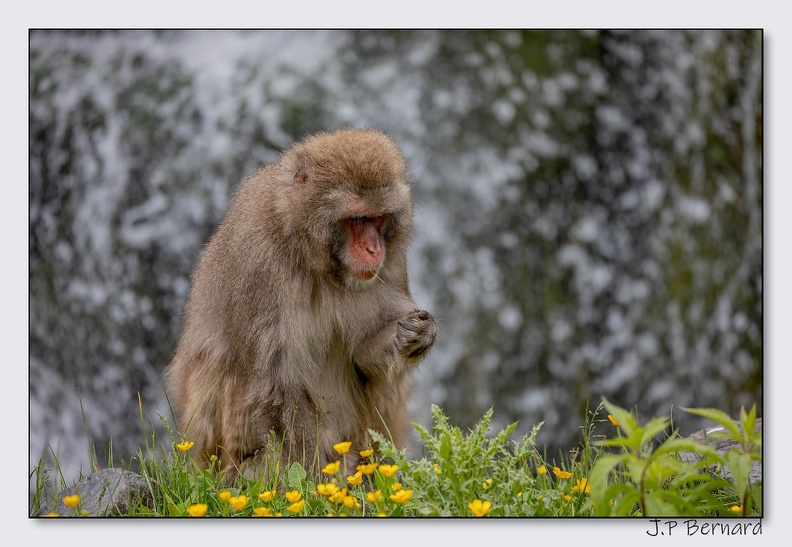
(366,249)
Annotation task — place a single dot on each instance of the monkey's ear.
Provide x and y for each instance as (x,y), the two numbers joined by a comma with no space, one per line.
(301,174)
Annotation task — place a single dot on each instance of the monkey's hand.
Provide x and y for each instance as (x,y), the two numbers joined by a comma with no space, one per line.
(415,335)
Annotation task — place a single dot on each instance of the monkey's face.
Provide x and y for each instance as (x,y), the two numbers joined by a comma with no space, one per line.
(364,251)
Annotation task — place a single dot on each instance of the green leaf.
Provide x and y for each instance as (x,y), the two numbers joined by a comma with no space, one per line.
(296,475)
(655,426)
(626,420)
(717,416)
(598,478)
(656,506)
(740,466)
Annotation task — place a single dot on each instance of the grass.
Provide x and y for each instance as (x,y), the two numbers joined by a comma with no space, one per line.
(628,470)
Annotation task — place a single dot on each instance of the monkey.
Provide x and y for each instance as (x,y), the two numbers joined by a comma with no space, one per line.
(299,330)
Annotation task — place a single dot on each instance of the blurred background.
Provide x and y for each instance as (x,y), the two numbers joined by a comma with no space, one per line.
(589,212)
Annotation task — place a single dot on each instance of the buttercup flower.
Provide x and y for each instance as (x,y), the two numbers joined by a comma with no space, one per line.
(197,510)
(238,502)
(293,496)
(541,470)
(342,448)
(71,501)
(351,502)
(296,507)
(269,495)
(613,419)
(366,468)
(225,495)
(185,446)
(339,496)
(561,474)
(262,512)
(332,468)
(486,484)
(582,486)
(373,497)
(736,508)
(567,497)
(357,478)
(326,489)
(480,508)
(388,470)
(366,453)
(401,496)
(396,486)
(437,468)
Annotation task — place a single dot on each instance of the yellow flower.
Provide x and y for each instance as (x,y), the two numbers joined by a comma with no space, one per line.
(736,508)
(238,502)
(296,507)
(342,448)
(486,484)
(357,478)
(366,468)
(388,470)
(293,496)
(262,512)
(567,497)
(84,513)
(197,510)
(437,468)
(613,419)
(582,486)
(224,495)
(269,495)
(382,514)
(541,470)
(401,496)
(339,496)
(561,474)
(366,453)
(71,501)
(373,497)
(51,514)
(332,468)
(326,489)
(350,502)
(185,446)
(396,486)
(480,508)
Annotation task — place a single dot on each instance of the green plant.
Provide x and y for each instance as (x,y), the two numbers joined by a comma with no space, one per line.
(647,477)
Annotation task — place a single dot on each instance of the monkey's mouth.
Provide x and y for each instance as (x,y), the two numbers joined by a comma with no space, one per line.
(363,274)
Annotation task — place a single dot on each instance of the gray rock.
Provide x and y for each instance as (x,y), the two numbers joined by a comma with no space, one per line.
(105,493)
(705,436)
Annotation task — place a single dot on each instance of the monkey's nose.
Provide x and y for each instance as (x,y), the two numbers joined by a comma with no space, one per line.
(373,247)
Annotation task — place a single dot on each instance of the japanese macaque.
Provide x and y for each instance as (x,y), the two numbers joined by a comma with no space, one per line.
(299,330)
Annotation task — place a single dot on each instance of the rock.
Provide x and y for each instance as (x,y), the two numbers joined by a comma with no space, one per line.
(704,436)
(106,493)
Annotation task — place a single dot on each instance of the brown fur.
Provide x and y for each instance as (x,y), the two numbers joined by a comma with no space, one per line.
(282,348)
